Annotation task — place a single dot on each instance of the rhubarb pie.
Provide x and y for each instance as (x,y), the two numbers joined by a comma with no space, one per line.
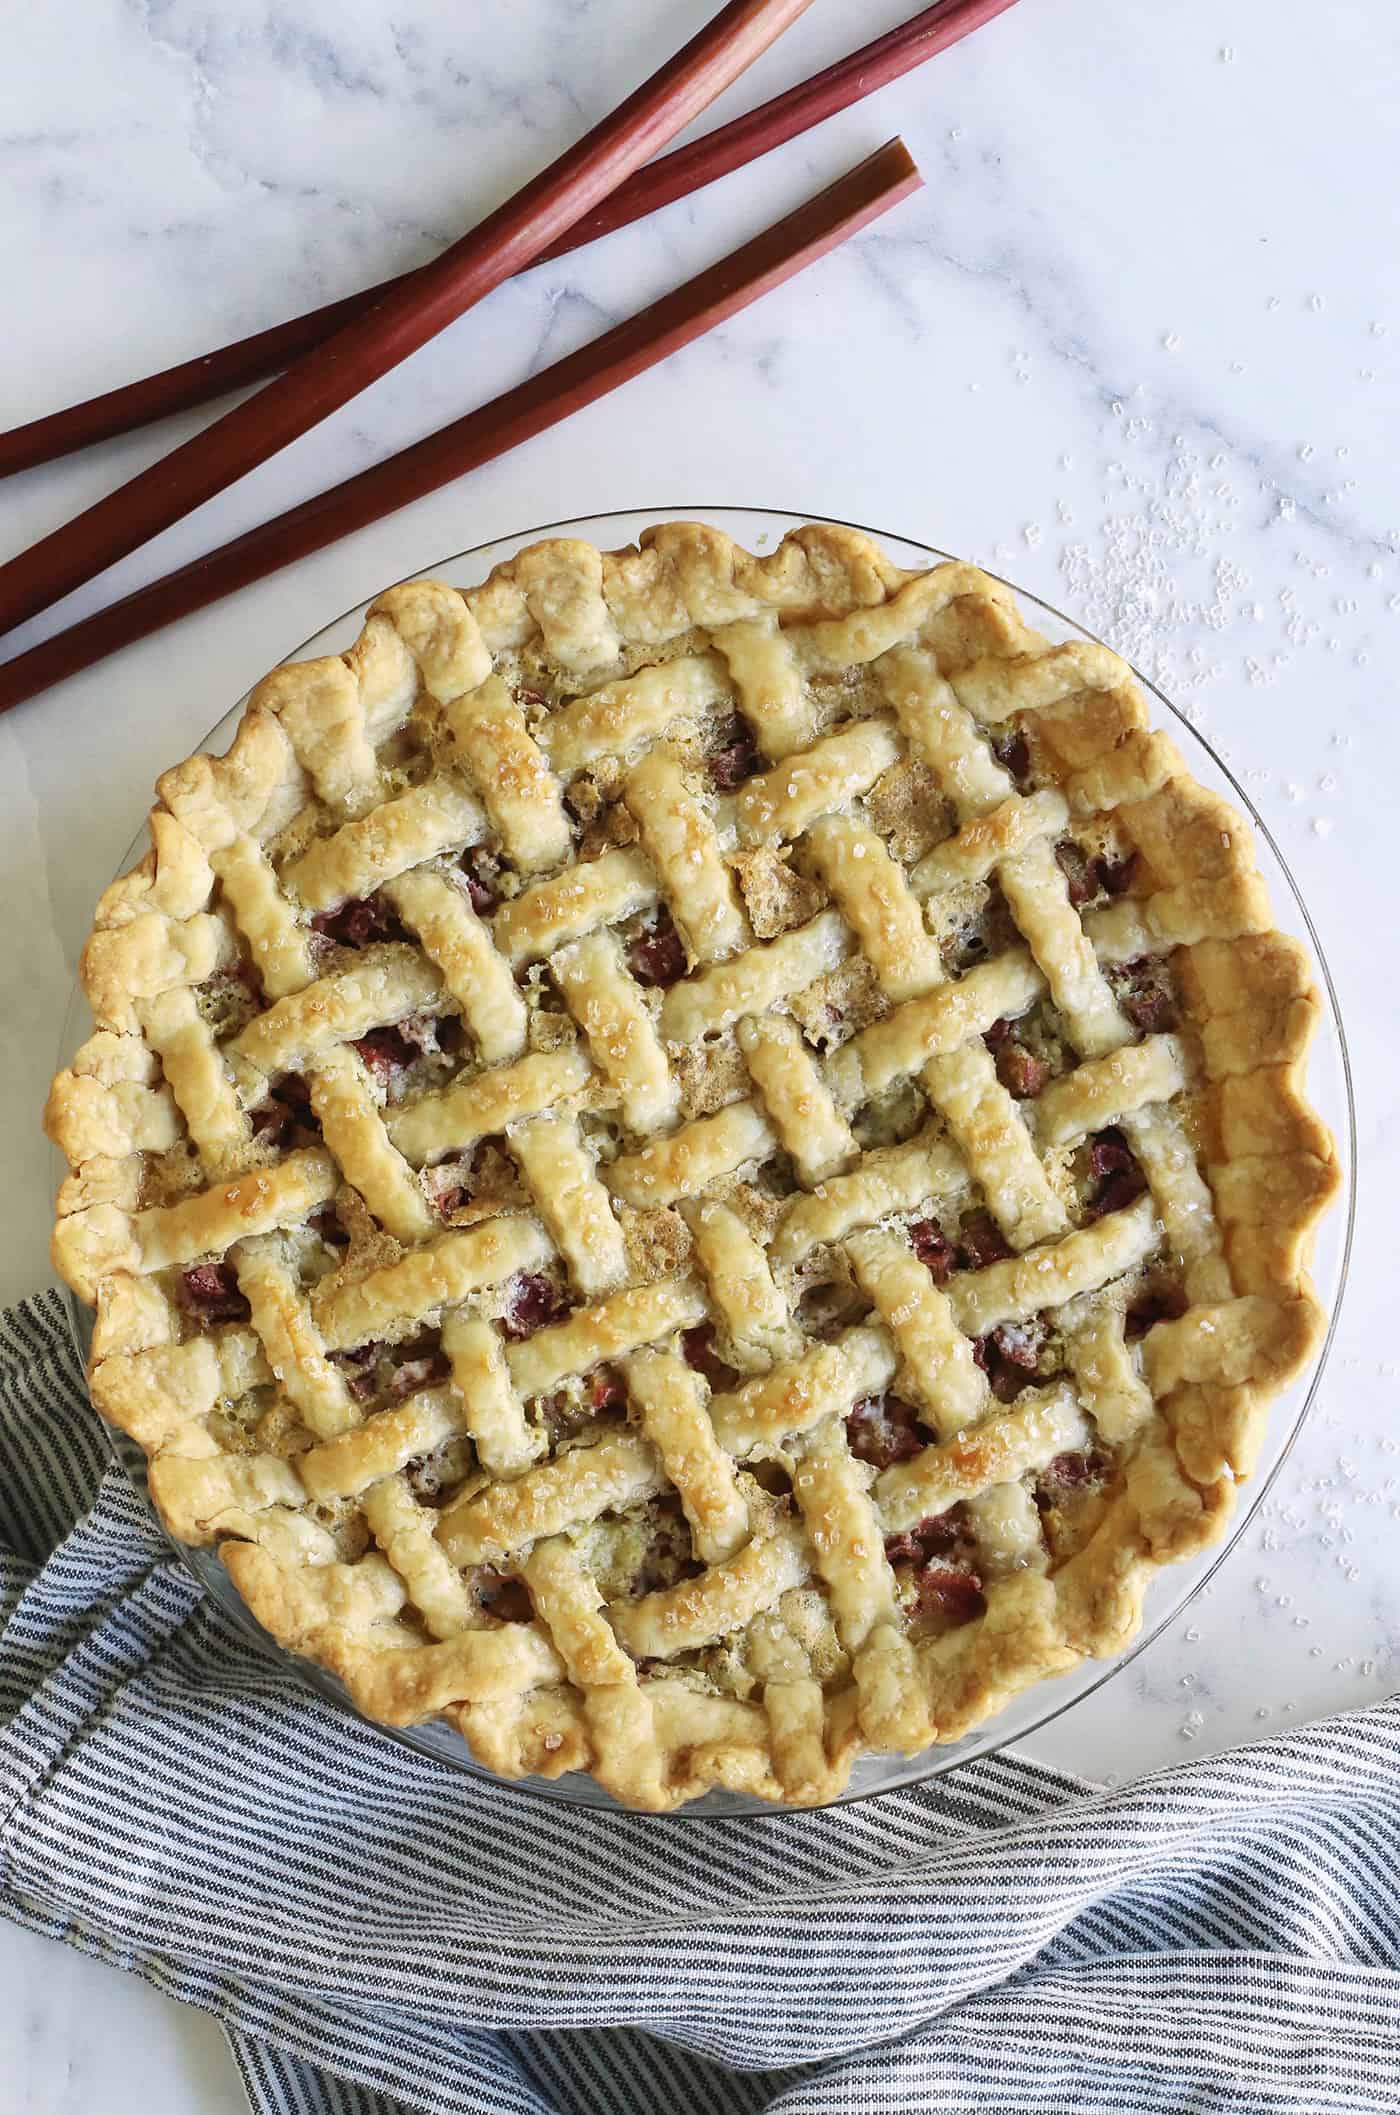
(695,1163)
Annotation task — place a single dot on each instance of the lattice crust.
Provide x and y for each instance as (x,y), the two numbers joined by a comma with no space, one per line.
(696,1162)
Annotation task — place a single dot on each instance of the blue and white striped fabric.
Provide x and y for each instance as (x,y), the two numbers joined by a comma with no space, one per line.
(381,1937)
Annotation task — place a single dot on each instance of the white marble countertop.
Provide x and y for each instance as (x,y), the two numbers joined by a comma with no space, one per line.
(1131,346)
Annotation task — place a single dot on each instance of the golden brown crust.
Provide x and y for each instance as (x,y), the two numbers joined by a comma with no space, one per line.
(873,820)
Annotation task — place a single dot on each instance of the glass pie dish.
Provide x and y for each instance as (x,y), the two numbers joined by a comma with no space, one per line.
(1329,1089)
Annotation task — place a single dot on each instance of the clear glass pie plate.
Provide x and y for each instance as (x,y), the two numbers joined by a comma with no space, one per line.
(1329,1087)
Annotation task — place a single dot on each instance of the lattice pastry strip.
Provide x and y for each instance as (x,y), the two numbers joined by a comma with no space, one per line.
(607,1476)
(1008,1532)
(352,1125)
(404,1531)
(1182,1197)
(417,826)
(505,1441)
(346,1616)
(1038,895)
(889,1180)
(1108,1382)
(876,900)
(347,1465)
(671,1403)
(639,1314)
(742,1288)
(601,891)
(383,987)
(701,1153)
(572,1202)
(485,1103)
(765,672)
(990,835)
(459,945)
(390,1301)
(1106,1090)
(760,978)
(195,1074)
(782,802)
(683,846)
(280,944)
(849,1554)
(617,1712)
(524,799)
(291,1342)
(723,1599)
(987,1128)
(1042,1424)
(935,1026)
(924,753)
(798,1393)
(208,1222)
(623,716)
(623,1043)
(797,1100)
(1054,1273)
(937,1357)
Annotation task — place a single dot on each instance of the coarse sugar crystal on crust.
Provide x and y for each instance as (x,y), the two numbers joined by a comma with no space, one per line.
(697,1163)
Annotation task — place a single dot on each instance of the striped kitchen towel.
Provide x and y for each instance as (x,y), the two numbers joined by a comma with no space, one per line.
(379,1935)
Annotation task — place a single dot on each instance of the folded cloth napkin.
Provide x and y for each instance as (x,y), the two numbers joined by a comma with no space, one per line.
(380,1935)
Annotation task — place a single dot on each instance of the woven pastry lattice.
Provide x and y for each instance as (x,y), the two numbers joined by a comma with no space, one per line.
(694,1161)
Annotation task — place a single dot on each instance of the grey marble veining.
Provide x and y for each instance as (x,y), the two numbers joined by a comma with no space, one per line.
(1134,345)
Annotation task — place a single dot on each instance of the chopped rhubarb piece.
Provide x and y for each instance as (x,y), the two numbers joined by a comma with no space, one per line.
(358,921)
(1012,752)
(933,1537)
(358,1368)
(737,760)
(504,1598)
(210,1291)
(606,1390)
(882,1429)
(1151,1011)
(387,1052)
(1021,1073)
(524,695)
(980,1242)
(1143,990)
(451,1183)
(950,1592)
(1020,1343)
(1078,871)
(390,1051)
(1073,1472)
(532,1301)
(997,1034)
(482,868)
(933,1249)
(1109,1152)
(698,1350)
(1009,1356)
(658,957)
(1117,1174)
(271,1121)
(1116,876)
(288,1104)
(427,1371)
(1156,1303)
